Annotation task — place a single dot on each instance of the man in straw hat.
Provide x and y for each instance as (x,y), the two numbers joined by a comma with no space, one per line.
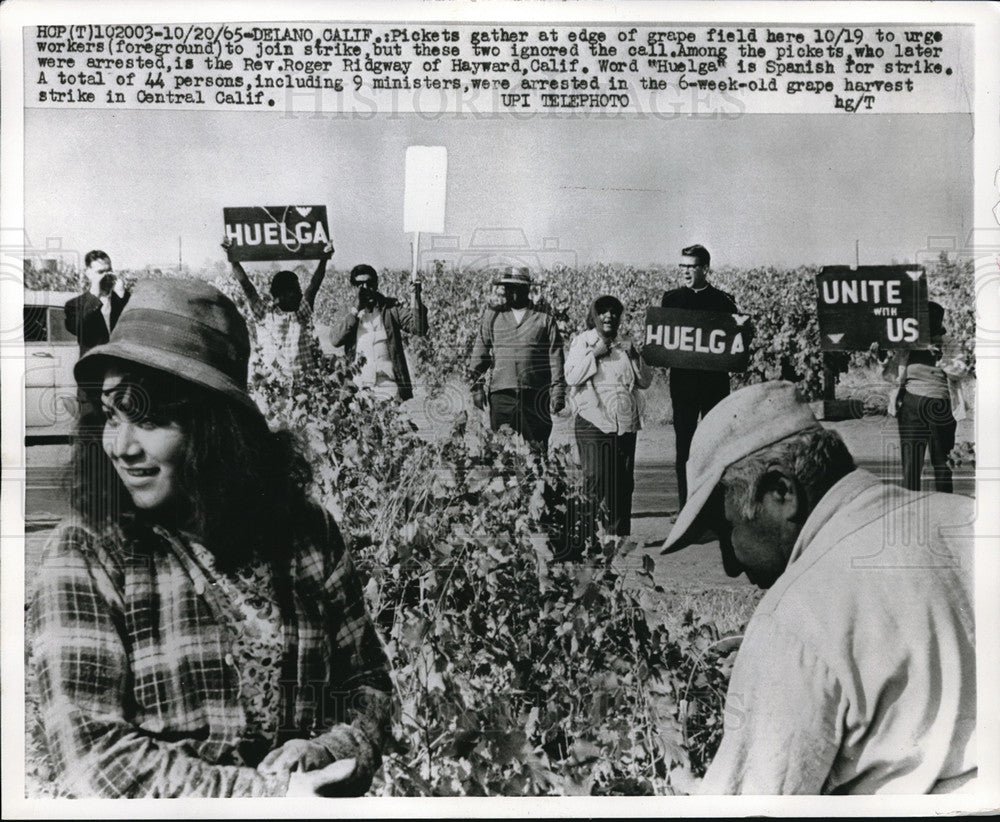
(857,671)
(523,346)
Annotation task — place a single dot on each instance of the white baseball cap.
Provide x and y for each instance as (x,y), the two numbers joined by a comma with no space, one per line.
(745,421)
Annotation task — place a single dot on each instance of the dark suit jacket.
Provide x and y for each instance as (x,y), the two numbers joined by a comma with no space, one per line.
(85,321)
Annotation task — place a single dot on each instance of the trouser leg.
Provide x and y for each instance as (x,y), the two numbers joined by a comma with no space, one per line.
(536,421)
(503,409)
(526,412)
(714,390)
(685,423)
(624,479)
(596,460)
(914,432)
(942,427)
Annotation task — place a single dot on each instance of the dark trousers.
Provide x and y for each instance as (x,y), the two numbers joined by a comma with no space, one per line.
(608,464)
(925,421)
(524,410)
(691,400)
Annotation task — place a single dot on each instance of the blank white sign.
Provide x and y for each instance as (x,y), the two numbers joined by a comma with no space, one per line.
(423,197)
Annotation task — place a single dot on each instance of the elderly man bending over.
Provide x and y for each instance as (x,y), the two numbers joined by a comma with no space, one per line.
(857,672)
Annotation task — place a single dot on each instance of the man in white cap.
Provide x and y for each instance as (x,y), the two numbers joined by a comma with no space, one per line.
(857,671)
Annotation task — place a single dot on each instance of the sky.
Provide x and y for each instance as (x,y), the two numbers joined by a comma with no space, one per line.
(756,189)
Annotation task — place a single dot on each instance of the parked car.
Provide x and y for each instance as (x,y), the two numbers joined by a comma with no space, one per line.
(50,400)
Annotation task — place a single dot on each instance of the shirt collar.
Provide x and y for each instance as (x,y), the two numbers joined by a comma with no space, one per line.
(833,502)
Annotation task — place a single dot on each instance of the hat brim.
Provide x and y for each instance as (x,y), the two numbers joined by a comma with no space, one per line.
(92,366)
(691,519)
(508,281)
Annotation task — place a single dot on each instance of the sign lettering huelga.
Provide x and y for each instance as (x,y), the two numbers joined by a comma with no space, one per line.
(705,340)
(276,232)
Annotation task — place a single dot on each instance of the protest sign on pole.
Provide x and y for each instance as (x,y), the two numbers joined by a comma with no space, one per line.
(884,304)
(705,340)
(276,232)
(424,194)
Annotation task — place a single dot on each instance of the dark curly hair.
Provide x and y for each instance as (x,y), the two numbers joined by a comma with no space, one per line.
(244,488)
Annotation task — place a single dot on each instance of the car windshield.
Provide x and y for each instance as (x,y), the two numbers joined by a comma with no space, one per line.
(45,323)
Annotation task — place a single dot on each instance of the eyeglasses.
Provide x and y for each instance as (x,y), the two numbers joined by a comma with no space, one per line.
(690,265)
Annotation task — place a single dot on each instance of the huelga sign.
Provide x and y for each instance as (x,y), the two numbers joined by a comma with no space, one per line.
(276,232)
(884,304)
(705,340)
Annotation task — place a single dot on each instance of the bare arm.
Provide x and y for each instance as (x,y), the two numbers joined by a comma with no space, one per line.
(256,304)
(317,278)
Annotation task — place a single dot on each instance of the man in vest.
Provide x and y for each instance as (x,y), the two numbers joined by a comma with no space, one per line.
(523,347)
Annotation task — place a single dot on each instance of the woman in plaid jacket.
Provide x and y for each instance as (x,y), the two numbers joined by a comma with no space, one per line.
(197,627)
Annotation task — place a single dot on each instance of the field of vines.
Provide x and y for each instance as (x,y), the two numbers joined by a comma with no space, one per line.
(781,303)
(517,673)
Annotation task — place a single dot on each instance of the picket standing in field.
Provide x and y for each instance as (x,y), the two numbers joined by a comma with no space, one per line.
(197,628)
(857,673)
(523,347)
(286,334)
(373,332)
(604,374)
(929,404)
(694,392)
(91,316)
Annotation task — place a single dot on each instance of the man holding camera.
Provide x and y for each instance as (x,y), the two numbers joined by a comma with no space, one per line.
(373,331)
(91,315)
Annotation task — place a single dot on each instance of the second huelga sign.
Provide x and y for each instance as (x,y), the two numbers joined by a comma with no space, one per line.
(704,340)
(276,232)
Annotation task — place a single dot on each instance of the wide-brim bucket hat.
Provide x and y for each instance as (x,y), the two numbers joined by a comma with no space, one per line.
(186,328)
(746,421)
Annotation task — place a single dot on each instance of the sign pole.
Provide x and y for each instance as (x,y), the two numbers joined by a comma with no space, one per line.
(424,196)
(414,275)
